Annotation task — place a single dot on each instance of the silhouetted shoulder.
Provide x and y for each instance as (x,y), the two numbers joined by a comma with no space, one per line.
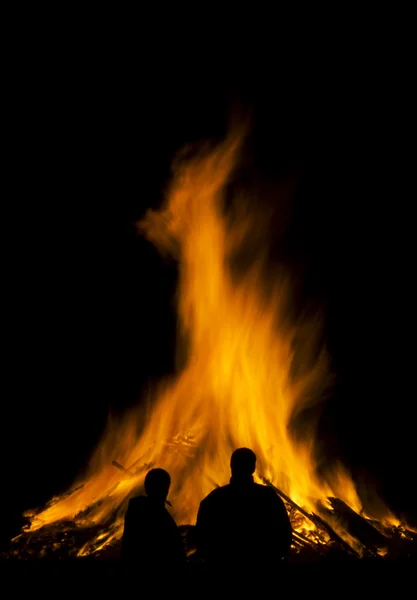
(216,495)
(269,497)
(137,501)
(137,504)
(266,491)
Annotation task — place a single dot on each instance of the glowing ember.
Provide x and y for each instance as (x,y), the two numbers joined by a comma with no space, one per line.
(246,376)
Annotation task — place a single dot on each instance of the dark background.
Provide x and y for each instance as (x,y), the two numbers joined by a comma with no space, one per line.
(88,317)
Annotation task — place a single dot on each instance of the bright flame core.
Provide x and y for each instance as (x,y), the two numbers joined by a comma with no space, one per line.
(238,385)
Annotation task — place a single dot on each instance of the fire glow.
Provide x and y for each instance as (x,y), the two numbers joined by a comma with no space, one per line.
(237,386)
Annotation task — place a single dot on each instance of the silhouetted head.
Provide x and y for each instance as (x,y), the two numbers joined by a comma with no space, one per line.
(243,463)
(157,483)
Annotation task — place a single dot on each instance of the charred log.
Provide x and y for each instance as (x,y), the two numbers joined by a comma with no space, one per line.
(315,519)
(355,525)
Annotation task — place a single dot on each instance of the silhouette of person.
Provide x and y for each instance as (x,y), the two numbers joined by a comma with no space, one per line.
(151,539)
(243,524)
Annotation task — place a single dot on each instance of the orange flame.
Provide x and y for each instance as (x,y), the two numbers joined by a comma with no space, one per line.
(241,383)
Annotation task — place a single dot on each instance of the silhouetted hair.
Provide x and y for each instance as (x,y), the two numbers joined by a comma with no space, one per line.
(243,462)
(157,483)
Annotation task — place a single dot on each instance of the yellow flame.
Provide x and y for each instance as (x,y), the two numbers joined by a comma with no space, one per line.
(238,385)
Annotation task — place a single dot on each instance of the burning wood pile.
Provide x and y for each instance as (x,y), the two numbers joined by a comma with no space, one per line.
(335,532)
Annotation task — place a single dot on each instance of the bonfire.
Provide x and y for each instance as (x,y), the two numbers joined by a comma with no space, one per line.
(248,370)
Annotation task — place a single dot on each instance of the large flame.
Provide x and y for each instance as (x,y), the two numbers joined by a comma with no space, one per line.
(248,370)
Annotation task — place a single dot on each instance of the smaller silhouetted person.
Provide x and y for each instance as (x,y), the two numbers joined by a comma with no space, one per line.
(243,524)
(151,539)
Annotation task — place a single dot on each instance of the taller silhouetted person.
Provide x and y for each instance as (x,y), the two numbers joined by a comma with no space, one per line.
(243,524)
(151,539)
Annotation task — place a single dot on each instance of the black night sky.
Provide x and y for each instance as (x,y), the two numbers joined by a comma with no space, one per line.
(88,317)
